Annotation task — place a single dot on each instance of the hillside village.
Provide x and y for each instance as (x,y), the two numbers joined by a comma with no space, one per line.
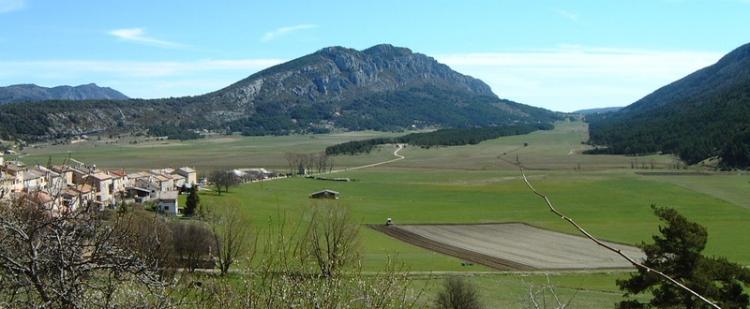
(68,186)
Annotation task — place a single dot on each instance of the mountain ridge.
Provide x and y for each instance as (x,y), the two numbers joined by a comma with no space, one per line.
(33,93)
(381,88)
(703,115)
(598,110)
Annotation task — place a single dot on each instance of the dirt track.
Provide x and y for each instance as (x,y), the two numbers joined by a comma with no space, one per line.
(512,246)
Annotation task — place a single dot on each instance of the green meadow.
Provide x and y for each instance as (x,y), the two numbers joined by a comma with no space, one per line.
(580,290)
(609,195)
(216,152)
(613,206)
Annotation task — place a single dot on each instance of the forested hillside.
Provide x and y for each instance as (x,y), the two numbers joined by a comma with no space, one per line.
(704,115)
(443,137)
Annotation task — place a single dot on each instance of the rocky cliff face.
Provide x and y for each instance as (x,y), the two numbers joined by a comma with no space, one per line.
(32,93)
(336,74)
(382,88)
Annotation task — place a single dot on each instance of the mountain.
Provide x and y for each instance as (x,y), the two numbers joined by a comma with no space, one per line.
(703,115)
(31,93)
(380,88)
(601,110)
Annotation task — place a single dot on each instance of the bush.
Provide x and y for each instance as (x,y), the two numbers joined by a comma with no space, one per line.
(457,294)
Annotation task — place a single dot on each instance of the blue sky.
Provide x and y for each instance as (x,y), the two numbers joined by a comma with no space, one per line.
(561,55)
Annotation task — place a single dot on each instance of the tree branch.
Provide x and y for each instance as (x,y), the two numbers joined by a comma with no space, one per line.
(613,249)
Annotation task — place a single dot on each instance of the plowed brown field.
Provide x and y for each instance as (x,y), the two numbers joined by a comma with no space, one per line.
(512,246)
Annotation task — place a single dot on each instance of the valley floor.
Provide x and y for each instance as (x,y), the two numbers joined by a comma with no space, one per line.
(609,195)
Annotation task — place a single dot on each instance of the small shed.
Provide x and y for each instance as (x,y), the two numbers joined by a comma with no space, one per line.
(168,203)
(329,194)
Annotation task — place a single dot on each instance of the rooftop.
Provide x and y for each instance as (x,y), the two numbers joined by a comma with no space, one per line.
(326,191)
(168,195)
(162,178)
(100,176)
(118,173)
(186,169)
(139,175)
(82,189)
(39,197)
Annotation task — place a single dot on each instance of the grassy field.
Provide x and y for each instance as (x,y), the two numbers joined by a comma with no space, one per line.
(613,206)
(205,154)
(558,149)
(612,203)
(590,290)
(465,184)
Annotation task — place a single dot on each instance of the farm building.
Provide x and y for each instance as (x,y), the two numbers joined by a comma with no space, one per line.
(189,174)
(168,203)
(329,194)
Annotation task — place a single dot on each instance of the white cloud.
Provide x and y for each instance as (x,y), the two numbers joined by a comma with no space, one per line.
(574,77)
(11,5)
(138,35)
(132,68)
(147,79)
(568,15)
(276,33)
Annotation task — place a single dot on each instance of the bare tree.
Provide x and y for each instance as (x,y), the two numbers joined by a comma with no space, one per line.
(291,161)
(281,279)
(321,161)
(68,259)
(539,295)
(193,245)
(231,180)
(151,238)
(332,238)
(223,180)
(231,236)
(217,178)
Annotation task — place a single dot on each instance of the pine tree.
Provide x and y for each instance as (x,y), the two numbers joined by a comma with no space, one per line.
(193,200)
(677,252)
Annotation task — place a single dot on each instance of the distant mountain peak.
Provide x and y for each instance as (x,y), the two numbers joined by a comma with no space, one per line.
(383,87)
(338,73)
(33,92)
(388,49)
(335,49)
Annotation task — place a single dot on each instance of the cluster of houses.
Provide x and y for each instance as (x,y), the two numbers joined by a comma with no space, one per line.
(67,187)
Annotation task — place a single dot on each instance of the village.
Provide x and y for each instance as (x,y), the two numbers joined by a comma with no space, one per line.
(68,186)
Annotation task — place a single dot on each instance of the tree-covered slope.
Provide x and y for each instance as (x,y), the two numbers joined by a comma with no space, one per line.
(704,115)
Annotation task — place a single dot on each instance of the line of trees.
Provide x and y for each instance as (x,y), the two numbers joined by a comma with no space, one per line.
(442,137)
(697,131)
(301,163)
